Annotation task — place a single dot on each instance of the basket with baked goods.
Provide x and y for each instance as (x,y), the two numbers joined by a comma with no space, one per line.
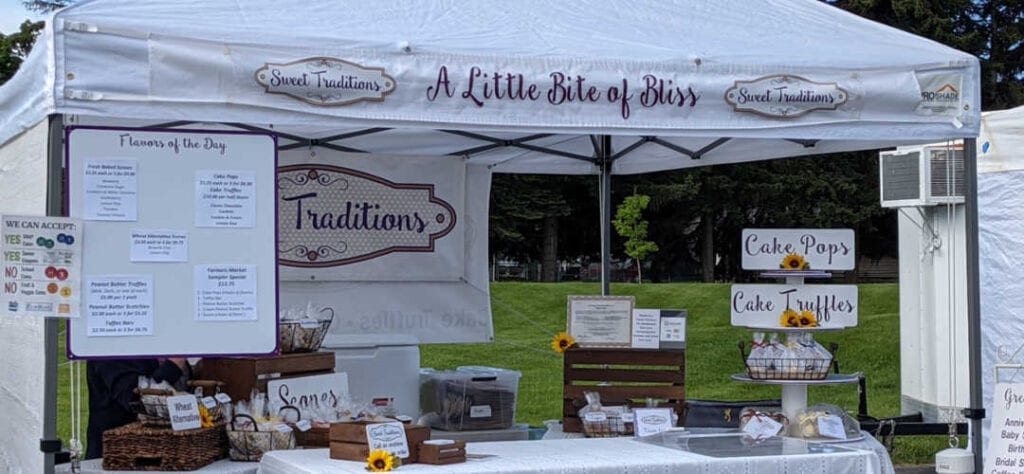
(151,404)
(303,330)
(800,357)
(601,421)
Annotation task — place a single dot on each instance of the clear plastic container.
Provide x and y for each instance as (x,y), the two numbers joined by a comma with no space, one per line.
(469,398)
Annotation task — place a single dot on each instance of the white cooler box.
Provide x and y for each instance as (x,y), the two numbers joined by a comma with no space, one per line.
(378,372)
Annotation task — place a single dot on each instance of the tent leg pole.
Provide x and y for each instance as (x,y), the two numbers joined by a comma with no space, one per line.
(976,413)
(605,184)
(51,328)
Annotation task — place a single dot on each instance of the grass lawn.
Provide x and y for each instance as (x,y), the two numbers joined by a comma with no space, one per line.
(528,315)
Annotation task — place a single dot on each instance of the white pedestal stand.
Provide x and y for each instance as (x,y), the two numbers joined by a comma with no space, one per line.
(794,392)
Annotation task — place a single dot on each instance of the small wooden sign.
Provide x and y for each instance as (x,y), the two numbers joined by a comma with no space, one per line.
(307,393)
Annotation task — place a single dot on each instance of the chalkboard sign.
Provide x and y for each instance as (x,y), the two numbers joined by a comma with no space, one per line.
(179,242)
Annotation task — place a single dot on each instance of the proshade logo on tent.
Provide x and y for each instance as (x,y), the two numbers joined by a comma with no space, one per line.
(940,94)
(330,216)
(784,96)
(326,81)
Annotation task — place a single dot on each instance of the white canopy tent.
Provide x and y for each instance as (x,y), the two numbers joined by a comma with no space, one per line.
(584,87)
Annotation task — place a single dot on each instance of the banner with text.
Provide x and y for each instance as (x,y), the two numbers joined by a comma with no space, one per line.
(794,306)
(360,218)
(798,249)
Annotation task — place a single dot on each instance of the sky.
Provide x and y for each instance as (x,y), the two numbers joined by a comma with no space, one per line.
(12,14)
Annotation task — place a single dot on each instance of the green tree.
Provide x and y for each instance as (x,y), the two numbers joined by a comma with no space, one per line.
(629,223)
(15,46)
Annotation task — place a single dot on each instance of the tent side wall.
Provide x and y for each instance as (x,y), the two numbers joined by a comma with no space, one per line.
(23,174)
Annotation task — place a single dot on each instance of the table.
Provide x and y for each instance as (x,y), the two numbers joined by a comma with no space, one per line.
(224,466)
(593,456)
(867,443)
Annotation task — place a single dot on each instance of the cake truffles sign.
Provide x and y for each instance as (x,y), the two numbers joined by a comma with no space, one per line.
(797,249)
(805,307)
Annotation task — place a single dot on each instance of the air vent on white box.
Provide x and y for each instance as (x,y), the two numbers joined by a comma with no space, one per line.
(922,176)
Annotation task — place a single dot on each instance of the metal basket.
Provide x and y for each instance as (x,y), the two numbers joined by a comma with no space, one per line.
(305,335)
(786,368)
(151,406)
(611,426)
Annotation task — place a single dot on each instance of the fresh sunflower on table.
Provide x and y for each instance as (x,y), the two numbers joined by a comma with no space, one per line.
(562,341)
(381,460)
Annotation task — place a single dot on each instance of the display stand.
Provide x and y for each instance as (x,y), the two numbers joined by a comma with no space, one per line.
(622,377)
(794,392)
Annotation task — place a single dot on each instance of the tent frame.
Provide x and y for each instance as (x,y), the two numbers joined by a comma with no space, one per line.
(603,158)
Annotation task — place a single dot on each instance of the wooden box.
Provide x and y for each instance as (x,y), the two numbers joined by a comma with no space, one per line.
(442,454)
(242,374)
(348,440)
(622,377)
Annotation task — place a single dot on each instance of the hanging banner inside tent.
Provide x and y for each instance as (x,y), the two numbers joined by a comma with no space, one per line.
(372,219)
(398,246)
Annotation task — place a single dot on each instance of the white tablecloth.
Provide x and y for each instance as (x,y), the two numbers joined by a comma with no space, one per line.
(224,466)
(590,456)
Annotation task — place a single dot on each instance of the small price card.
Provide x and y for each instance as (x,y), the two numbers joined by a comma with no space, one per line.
(184,412)
(649,421)
(761,426)
(389,437)
(831,426)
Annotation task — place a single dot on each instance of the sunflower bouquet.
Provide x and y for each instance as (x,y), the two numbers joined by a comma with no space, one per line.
(794,261)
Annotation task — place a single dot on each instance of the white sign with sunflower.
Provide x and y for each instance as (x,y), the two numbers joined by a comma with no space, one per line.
(804,307)
(797,249)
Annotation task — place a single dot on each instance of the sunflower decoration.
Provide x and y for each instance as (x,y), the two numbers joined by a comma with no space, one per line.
(808,319)
(381,460)
(790,319)
(562,341)
(205,418)
(794,261)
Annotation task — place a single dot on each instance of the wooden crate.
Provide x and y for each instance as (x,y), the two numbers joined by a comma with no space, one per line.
(242,374)
(348,440)
(622,377)
(442,454)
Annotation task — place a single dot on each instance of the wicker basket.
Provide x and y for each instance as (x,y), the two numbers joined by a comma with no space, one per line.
(136,447)
(250,445)
(304,335)
(151,406)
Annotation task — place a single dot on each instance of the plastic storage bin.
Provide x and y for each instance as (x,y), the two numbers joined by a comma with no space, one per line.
(469,398)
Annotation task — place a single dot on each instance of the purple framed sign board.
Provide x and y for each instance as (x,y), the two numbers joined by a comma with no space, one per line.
(179,242)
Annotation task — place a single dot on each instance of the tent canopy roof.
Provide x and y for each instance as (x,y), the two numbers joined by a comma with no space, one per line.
(667,79)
